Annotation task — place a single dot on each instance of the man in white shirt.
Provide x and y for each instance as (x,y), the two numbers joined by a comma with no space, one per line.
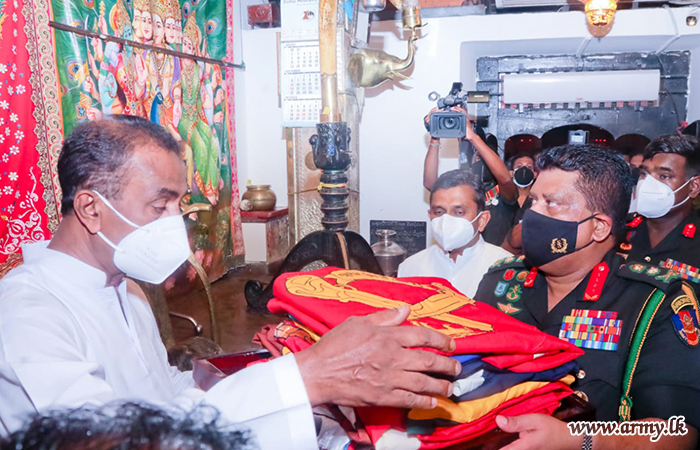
(457,217)
(71,332)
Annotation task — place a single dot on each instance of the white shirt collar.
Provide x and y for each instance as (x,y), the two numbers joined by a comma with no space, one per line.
(71,269)
(467,254)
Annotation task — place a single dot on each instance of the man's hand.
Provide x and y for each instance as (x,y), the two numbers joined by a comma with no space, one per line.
(538,431)
(366,361)
(470,130)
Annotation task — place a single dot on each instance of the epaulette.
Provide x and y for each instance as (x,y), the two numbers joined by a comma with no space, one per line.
(507,263)
(658,277)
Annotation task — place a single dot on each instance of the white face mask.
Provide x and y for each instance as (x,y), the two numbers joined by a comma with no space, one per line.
(453,232)
(654,198)
(152,252)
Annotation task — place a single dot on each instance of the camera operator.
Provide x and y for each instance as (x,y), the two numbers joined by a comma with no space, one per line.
(503,207)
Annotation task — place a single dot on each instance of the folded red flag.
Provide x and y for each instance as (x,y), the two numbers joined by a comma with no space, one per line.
(324,298)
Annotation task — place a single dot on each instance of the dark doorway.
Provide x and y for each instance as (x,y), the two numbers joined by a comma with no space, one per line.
(560,135)
(631,144)
(522,144)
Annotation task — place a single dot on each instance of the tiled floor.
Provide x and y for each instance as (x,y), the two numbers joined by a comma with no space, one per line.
(237,326)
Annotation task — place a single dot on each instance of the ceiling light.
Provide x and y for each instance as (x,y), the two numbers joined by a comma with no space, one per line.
(600,12)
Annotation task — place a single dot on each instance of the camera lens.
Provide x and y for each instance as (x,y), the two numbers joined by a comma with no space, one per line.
(449,123)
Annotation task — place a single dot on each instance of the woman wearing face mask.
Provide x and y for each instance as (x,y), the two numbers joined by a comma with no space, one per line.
(664,234)
(457,218)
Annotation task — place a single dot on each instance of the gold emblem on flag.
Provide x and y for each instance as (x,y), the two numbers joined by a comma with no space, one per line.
(438,306)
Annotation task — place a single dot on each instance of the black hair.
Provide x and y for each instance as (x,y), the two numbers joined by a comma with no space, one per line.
(95,154)
(511,161)
(677,144)
(604,179)
(128,426)
(458,177)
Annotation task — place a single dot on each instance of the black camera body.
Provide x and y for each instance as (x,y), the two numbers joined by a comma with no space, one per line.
(448,123)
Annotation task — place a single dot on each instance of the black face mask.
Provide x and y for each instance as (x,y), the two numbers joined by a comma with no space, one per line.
(523,176)
(546,239)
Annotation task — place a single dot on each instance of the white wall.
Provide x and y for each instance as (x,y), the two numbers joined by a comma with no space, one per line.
(260,143)
(393,141)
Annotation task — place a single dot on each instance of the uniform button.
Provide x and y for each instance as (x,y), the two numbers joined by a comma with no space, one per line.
(647,258)
(582,395)
(581,374)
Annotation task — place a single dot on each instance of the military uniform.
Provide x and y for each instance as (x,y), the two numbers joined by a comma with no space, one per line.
(599,315)
(502,215)
(680,250)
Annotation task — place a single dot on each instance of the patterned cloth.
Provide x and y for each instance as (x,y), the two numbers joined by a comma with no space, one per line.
(52,80)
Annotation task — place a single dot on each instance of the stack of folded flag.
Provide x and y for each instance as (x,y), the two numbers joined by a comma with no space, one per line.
(508,368)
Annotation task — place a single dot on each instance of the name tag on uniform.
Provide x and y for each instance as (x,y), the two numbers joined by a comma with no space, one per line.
(599,330)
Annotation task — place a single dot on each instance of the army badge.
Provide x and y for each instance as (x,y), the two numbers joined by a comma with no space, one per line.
(653,271)
(559,245)
(637,268)
(509,260)
(625,247)
(514,293)
(685,320)
(498,263)
(668,276)
(521,276)
(508,308)
(500,289)
(509,274)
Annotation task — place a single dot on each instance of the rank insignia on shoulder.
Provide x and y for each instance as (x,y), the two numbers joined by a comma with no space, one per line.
(501,288)
(685,317)
(508,308)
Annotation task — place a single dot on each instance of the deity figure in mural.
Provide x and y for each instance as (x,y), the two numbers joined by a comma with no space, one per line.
(146,19)
(194,128)
(108,88)
(88,101)
(136,23)
(173,25)
(171,109)
(219,97)
(143,32)
(160,69)
(122,60)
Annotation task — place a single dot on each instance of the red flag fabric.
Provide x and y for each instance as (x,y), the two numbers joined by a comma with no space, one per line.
(319,300)
(324,298)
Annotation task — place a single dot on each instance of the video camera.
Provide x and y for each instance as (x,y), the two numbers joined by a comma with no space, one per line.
(448,123)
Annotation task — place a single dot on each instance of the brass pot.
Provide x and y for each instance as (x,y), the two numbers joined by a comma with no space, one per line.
(258,197)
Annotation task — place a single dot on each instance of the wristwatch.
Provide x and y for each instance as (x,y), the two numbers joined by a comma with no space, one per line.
(587,442)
